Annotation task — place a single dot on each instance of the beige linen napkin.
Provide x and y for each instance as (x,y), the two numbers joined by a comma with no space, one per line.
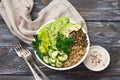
(16,14)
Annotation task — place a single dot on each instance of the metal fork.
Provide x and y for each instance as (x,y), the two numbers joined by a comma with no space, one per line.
(23,53)
(31,59)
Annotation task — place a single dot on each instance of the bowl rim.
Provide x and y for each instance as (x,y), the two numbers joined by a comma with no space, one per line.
(66,68)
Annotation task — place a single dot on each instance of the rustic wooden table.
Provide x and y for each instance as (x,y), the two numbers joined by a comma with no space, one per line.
(103,20)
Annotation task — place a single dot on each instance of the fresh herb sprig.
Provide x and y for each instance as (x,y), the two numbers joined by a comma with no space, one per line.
(64,43)
(35,45)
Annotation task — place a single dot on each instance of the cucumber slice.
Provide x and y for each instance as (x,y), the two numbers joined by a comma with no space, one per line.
(54,54)
(46,59)
(63,58)
(50,52)
(58,64)
(52,64)
(61,53)
(52,60)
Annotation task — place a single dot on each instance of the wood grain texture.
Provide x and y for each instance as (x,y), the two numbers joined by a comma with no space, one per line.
(102,32)
(9,77)
(95,10)
(103,21)
(98,10)
(14,77)
(105,34)
(91,10)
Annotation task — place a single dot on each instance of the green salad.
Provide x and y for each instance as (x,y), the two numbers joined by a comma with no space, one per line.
(52,43)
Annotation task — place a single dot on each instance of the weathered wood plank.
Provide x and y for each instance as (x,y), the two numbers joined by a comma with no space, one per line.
(14,77)
(19,77)
(105,34)
(10,63)
(95,10)
(6,35)
(102,32)
(99,10)
(97,13)
(107,10)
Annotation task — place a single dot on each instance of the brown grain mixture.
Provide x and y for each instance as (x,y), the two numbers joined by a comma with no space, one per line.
(78,49)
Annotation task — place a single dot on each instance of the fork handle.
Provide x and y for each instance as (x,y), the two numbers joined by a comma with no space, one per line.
(33,71)
(40,71)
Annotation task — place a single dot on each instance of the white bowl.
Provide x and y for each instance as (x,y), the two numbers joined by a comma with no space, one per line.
(102,56)
(67,68)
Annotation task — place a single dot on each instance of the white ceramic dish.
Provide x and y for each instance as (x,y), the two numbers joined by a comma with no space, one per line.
(98,58)
(87,49)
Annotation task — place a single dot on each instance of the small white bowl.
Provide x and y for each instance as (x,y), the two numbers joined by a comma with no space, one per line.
(67,68)
(97,59)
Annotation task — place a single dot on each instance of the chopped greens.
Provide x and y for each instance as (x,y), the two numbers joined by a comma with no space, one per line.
(64,43)
(45,41)
(35,45)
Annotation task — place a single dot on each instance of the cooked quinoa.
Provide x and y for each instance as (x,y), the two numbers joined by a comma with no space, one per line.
(79,49)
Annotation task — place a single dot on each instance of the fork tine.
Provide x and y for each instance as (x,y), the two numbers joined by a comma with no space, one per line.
(18,49)
(27,50)
(18,46)
(15,49)
(27,56)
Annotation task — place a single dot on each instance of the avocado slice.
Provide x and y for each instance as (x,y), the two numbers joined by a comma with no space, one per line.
(68,28)
(56,26)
